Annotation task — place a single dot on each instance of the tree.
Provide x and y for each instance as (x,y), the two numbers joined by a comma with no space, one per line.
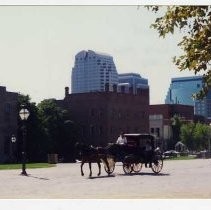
(35,144)
(176,124)
(201,135)
(60,132)
(195,22)
(195,136)
(187,135)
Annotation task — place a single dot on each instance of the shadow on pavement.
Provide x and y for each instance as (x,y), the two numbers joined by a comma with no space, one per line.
(144,174)
(99,177)
(41,178)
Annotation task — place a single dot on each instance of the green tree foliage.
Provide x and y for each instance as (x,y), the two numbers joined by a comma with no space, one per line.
(60,132)
(187,135)
(195,23)
(35,144)
(176,123)
(195,136)
(49,130)
(201,136)
(51,118)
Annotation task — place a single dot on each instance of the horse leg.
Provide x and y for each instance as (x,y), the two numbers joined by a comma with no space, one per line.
(107,164)
(82,173)
(90,169)
(99,166)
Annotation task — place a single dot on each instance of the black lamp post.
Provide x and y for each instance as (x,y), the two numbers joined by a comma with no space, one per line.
(24,114)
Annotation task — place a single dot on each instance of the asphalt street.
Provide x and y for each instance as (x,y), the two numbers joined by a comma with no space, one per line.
(178,179)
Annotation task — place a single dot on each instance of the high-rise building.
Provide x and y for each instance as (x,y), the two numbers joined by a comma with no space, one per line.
(181,91)
(132,80)
(91,71)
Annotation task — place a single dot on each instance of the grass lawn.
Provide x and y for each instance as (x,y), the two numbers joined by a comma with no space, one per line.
(28,165)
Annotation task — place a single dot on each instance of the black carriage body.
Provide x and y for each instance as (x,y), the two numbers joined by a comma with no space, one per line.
(133,160)
(137,142)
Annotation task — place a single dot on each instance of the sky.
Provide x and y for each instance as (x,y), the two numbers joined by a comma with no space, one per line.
(38,45)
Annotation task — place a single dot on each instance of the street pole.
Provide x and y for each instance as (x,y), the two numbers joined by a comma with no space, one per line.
(24,151)
(24,114)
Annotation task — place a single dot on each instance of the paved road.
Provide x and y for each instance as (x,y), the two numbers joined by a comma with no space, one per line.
(178,179)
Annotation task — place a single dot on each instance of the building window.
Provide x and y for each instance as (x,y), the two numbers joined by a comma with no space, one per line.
(91,130)
(111,129)
(152,130)
(7,108)
(158,132)
(113,114)
(142,114)
(119,115)
(83,130)
(100,130)
(92,112)
(100,114)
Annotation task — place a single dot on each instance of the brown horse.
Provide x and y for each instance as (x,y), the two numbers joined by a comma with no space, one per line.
(90,154)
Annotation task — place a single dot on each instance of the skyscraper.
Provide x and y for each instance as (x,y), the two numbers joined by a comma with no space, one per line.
(92,70)
(181,90)
(133,80)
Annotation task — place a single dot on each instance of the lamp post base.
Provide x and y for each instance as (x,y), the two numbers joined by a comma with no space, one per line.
(23,173)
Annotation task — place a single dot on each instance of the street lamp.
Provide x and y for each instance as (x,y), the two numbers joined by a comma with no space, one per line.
(24,114)
(13,139)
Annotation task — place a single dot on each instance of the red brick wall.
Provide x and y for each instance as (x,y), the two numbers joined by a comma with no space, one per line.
(169,110)
(109,113)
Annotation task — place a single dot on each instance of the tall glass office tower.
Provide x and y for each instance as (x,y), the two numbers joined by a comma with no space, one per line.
(181,90)
(133,80)
(92,70)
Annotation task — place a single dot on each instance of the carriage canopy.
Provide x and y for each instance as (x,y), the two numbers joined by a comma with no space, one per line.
(139,139)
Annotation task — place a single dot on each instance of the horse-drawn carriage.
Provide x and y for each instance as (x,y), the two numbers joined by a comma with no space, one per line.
(140,149)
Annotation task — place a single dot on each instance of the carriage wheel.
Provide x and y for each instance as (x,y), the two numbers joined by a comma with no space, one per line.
(157,164)
(127,168)
(111,163)
(136,167)
(112,167)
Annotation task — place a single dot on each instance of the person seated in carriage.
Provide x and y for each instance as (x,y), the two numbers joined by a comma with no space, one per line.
(148,154)
(121,139)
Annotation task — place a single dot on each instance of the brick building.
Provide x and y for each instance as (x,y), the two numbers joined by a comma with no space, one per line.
(160,119)
(8,122)
(101,116)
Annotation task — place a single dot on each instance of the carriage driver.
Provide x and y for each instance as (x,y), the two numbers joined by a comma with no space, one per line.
(148,154)
(121,139)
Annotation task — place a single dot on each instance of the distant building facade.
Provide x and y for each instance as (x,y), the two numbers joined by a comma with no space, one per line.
(181,90)
(91,71)
(132,80)
(160,119)
(101,116)
(8,123)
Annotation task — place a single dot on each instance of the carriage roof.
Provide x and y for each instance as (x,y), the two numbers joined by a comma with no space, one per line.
(139,139)
(139,135)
